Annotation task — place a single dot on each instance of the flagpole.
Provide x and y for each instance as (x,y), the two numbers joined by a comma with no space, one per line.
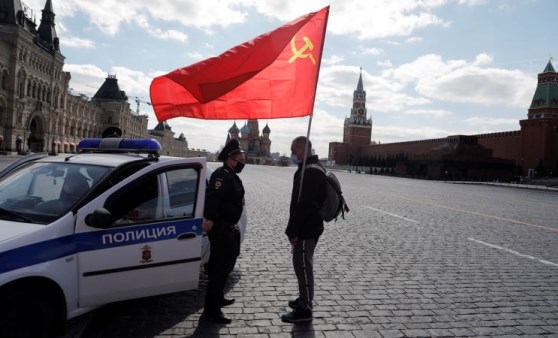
(305,155)
(312,113)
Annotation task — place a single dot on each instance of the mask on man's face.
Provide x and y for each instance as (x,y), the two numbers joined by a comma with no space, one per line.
(295,159)
(238,167)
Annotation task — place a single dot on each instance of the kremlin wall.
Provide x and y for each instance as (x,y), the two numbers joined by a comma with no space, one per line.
(530,151)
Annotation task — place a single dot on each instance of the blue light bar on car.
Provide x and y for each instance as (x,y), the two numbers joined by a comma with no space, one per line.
(120,145)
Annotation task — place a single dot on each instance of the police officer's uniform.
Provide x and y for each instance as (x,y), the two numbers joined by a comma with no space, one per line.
(224,203)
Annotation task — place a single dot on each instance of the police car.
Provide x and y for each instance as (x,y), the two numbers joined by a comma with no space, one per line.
(114,222)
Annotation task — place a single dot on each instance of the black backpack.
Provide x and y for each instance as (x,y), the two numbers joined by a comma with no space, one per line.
(334,202)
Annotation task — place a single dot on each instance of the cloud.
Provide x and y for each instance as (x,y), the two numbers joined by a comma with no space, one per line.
(482,60)
(434,113)
(170,34)
(332,60)
(425,67)
(198,140)
(371,51)
(468,82)
(384,64)
(195,56)
(373,19)
(366,20)
(381,19)
(484,86)
(108,16)
(472,2)
(476,121)
(336,85)
(326,127)
(133,82)
(338,82)
(413,40)
(287,10)
(86,79)
(74,42)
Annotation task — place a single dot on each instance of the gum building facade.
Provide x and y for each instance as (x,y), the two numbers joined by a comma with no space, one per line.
(38,110)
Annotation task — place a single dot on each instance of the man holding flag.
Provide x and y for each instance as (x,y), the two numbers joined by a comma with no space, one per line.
(305,226)
(272,76)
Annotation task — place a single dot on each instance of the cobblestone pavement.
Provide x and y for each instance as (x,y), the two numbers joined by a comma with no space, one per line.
(413,259)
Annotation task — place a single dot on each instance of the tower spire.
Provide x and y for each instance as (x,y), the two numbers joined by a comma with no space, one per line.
(358,112)
(549,68)
(545,100)
(46,30)
(360,86)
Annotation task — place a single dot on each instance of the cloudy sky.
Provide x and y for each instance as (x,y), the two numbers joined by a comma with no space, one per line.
(430,68)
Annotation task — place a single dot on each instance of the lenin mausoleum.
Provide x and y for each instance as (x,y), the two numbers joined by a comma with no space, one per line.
(530,151)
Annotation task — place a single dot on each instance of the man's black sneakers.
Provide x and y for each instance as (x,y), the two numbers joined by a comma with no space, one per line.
(293,304)
(298,315)
(216,317)
(226,302)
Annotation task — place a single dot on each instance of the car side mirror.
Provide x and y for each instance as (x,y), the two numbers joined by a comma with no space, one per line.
(100,218)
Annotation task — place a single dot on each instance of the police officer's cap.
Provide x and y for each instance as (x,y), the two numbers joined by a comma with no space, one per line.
(231,148)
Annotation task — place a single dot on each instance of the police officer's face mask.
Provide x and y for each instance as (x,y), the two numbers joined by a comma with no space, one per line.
(239,166)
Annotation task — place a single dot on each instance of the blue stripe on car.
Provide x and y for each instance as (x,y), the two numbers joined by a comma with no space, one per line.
(52,249)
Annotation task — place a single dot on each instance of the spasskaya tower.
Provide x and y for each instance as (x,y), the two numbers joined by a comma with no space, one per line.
(358,128)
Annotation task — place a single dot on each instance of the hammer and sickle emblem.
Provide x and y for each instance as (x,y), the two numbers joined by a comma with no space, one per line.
(299,53)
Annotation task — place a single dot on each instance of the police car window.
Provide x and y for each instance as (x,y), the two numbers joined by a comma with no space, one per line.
(137,203)
(126,171)
(43,191)
(182,187)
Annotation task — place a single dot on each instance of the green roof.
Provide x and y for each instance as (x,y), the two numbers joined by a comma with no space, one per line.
(549,68)
(546,95)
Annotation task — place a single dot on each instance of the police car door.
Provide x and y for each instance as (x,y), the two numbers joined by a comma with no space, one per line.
(152,243)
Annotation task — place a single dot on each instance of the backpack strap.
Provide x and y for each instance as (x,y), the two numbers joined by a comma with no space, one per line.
(316,166)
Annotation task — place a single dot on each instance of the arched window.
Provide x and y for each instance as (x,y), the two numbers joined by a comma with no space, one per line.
(21,84)
(4,80)
(2,111)
(56,98)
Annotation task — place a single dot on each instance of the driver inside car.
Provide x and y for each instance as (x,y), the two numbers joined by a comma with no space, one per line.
(74,187)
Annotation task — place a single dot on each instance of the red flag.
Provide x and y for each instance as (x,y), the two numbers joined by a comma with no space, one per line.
(272,76)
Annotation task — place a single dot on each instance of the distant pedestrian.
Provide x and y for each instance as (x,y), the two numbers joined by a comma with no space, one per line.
(224,203)
(304,227)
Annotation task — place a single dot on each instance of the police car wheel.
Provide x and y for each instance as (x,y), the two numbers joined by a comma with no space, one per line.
(25,314)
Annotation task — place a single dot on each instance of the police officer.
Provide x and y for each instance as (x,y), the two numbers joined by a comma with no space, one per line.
(224,203)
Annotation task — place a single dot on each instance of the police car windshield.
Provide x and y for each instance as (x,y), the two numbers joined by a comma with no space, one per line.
(42,192)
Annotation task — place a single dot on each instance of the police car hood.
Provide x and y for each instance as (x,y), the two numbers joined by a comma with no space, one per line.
(10,229)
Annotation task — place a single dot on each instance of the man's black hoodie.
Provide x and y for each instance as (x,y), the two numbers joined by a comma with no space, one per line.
(304,219)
